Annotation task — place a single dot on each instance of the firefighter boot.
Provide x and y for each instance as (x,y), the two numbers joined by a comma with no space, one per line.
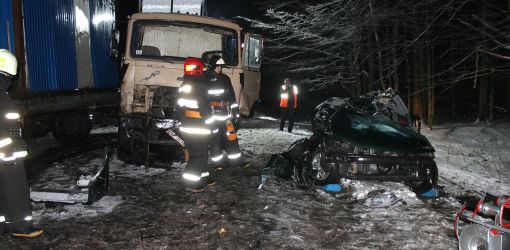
(199,186)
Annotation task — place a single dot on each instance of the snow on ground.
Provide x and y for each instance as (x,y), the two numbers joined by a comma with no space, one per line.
(472,158)
(147,208)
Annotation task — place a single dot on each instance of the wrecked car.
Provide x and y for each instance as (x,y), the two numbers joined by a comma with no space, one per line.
(370,137)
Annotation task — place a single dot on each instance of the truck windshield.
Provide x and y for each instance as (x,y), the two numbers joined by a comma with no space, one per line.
(179,40)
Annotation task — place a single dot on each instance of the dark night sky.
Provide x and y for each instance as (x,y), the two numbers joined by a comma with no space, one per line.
(231,8)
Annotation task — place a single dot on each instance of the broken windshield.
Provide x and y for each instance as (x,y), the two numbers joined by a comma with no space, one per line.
(179,40)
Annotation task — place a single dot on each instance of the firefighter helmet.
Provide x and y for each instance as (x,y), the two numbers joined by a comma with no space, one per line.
(8,63)
(193,67)
(216,61)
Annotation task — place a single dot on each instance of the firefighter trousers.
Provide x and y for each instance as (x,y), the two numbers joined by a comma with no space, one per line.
(287,113)
(14,197)
(196,145)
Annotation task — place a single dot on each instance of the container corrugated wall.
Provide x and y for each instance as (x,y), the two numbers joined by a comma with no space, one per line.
(106,72)
(50,45)
(6,26)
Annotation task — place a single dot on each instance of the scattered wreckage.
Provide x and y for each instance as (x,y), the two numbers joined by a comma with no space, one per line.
(368,137)
(89,189)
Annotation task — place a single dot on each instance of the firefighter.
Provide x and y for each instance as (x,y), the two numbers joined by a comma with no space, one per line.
(288,103)
(15,211)
(193,99)
(225,114)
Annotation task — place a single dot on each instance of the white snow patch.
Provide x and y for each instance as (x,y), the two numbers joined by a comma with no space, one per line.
(262,142)
(472,157)
(120,169)
(103,206)
(267,118)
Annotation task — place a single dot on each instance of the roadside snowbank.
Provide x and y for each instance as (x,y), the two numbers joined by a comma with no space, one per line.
(472,158)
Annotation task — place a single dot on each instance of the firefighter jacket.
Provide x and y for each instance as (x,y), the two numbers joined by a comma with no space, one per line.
(288,95)
(223,102)
(193,99)
(222,97)
(12,145)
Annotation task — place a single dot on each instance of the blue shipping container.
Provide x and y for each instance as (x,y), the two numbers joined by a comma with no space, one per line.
(6,26)
(67,44)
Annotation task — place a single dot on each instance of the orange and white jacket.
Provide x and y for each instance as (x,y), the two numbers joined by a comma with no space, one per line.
(284,97)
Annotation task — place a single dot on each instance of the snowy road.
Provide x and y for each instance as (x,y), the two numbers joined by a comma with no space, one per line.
(148,208)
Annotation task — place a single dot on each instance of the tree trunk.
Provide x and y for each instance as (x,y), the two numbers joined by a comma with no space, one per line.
(370,71)
(379,53)
(396,83)
(483,81)
(482,91)
(416,89)
(431,95)
(452,103)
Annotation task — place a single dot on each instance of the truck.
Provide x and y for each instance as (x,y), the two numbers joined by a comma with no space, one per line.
(156,47)
(66,70)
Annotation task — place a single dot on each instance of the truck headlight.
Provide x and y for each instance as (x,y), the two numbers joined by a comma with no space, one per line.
(12,116)
(5,142)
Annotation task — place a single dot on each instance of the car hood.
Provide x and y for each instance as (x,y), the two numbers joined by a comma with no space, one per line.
(376,133)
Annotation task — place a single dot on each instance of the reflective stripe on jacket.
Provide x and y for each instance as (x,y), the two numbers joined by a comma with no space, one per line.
(284,97)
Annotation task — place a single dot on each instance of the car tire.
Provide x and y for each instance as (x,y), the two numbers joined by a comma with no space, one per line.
(431,176)
(323,173)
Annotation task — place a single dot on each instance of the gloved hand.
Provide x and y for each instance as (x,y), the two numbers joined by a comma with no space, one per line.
(236,118)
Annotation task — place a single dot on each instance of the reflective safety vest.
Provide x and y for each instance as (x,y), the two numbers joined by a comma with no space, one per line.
(284,97)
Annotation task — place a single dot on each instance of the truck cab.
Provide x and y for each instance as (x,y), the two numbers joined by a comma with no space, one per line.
(157,45)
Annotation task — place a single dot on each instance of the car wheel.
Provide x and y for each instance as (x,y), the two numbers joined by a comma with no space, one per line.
(428,181)
(322,172)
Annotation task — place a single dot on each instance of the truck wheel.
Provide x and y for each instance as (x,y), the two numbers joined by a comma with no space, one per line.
(72,127)
(323,173)
(138,148)
(36,127)
(123,144)
(253,108)
(429,180)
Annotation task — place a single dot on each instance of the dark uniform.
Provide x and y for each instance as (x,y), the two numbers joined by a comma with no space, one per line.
(15,211)
(193,98)
(225,110)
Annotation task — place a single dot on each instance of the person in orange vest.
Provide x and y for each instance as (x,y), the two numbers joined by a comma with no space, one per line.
(288,103)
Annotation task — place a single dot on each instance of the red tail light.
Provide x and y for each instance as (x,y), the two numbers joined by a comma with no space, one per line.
(193,67)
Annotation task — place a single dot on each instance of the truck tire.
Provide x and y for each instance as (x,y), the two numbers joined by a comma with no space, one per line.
(253,109)
(137,148)
(36,127)
(72,127)
(123,144)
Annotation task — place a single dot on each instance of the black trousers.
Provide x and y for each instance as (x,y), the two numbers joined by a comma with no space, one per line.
(197,148)
(14,196)
(287,113)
